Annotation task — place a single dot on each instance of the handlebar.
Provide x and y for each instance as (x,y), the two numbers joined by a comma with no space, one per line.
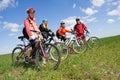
(38,32)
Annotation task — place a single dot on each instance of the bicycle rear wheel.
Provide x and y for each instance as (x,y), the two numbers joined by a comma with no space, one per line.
(17,56)
(50,63)
(93,42)
(79,47)
(63,51)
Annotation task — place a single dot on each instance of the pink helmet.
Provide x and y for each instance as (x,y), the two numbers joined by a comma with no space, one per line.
(30,10)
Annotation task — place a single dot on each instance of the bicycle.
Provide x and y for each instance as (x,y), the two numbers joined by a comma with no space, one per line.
(42,50)
(77,46)
(51,39)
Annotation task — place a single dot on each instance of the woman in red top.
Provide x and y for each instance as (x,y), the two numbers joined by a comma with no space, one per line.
(80,28)
(61,32)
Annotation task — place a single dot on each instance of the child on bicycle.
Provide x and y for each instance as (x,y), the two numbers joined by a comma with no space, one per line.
(61,32)
(79,28)
(30,24)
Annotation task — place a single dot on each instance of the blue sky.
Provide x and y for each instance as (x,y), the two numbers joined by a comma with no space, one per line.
(102,17)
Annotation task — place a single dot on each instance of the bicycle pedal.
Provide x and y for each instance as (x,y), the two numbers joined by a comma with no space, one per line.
(26,60)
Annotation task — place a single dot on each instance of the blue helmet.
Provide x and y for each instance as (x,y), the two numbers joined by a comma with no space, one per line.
(45,20)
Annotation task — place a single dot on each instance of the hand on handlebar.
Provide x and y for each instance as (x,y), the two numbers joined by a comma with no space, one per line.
(87,32)
(50,30)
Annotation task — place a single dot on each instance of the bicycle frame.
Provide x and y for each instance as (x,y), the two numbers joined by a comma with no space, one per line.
(39,43)
(71,39)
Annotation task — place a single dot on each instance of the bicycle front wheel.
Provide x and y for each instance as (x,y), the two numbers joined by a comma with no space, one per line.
(17,56)
(93,42)
(49,49)
(63,51)
(79,47)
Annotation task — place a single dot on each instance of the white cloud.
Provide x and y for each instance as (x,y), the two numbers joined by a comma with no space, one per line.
(6,3)
(12,26)
(110,21)
(118,18)
(97,3)
(114,3)
(117,2)
(89,20)
(89,11)
(70,22)
(115,12)
(74,5)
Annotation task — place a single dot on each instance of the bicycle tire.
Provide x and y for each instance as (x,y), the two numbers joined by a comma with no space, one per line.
(93,42)
(50,63)
(17,56)
(63,51)
(79,48)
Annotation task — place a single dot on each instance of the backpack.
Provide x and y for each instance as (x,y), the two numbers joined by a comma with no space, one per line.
(24,31)
(57,34)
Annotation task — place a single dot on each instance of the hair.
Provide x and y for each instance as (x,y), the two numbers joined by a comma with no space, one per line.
(77,19)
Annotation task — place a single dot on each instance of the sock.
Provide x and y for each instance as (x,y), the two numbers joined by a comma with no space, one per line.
(44,62)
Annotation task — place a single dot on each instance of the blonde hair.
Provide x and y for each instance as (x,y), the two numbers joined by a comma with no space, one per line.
(45,26)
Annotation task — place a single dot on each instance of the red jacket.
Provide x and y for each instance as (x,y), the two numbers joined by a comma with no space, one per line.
(80,28)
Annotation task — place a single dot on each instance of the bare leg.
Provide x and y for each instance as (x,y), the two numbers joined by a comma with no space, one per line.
(84,41)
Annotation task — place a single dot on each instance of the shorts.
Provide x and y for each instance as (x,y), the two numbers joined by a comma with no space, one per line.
(81,35)
(62,38)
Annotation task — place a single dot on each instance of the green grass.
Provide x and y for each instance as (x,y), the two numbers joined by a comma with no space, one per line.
(101,64)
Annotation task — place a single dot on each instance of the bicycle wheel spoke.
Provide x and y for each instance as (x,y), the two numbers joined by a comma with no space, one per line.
(50,63)
(79,47)
(63,50)
(93,43)
(17,56)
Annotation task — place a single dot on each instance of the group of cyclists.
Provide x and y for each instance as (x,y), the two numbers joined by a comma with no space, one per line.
(30,24)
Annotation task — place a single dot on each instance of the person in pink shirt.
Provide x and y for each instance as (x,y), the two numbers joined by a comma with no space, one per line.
(30,24)
(80,28)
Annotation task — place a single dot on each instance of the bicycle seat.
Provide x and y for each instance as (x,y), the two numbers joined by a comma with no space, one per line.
(21,37)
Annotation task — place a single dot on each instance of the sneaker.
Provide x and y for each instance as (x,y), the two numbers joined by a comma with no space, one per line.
(62,58)
(26,59)
(43,65)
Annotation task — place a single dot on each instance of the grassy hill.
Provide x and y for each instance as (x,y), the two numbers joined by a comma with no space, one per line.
(101,64)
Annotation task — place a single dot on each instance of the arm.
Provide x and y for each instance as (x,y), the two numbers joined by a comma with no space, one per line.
(85,28)
(68,30)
